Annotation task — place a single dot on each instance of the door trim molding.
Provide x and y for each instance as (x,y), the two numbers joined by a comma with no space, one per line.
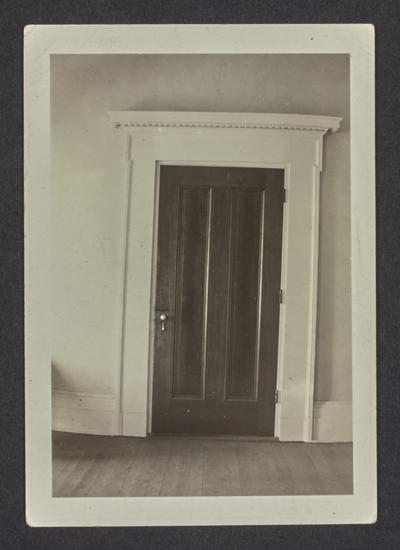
(292,142)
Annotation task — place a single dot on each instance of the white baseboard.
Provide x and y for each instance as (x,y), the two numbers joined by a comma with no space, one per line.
(80,412)
(332,421)
(92,413)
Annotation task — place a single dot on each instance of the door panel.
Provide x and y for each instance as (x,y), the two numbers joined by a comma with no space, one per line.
(190,303)
(242,320)
(218,281)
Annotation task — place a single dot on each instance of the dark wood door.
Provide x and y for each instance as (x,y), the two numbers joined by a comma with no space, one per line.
(218,284)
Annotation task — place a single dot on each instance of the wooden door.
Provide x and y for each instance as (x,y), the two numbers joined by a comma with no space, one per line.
(218,286)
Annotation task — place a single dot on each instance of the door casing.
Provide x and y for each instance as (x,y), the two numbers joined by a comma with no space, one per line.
(290,142)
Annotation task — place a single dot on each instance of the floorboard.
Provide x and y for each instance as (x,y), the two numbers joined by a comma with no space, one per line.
(184,472)
(104,466)
(220,469)
(147,471)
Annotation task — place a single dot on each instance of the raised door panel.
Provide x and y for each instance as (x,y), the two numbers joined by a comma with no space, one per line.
(241,361)
(191,297)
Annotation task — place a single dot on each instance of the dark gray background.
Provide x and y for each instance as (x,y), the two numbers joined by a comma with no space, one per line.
(14,14)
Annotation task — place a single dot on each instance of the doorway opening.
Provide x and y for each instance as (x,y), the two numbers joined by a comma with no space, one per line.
(217,300)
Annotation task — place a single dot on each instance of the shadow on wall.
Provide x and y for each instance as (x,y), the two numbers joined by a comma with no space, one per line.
(58,379)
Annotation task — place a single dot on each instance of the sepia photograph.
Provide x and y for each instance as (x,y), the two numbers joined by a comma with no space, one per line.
(203,326)
(229,381)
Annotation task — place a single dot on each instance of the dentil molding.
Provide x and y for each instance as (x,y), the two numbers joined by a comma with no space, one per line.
(189,119)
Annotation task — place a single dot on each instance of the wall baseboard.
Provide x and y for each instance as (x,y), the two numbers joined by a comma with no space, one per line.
(332,421)
(81,412)
(93,413)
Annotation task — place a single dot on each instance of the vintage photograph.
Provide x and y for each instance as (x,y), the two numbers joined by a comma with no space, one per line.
(201,275)
(200,260)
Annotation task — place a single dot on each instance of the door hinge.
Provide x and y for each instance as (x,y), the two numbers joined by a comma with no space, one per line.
(281,296)
(276,397)
(285,195)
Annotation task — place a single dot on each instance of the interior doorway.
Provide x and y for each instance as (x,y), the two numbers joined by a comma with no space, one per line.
(290,144)
(217,300)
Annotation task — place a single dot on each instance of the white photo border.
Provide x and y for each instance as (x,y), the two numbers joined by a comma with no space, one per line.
(41,41)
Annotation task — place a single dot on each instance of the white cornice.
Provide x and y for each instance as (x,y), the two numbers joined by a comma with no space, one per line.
(188,119)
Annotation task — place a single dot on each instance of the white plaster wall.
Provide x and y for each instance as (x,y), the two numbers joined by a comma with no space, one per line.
(89,192)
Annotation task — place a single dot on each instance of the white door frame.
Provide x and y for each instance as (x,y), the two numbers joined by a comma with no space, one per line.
(292,142)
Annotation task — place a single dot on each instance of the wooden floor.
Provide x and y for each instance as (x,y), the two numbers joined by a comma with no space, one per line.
(103,466)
